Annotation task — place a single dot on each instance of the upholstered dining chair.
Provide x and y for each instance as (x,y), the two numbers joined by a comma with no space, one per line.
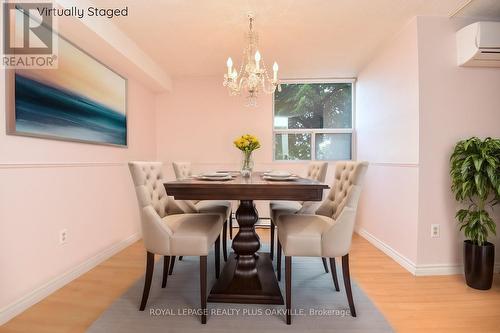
(327,233)
(182,171)
(168,231)
(316,171)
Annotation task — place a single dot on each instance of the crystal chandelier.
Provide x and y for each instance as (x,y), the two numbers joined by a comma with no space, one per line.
(253,76)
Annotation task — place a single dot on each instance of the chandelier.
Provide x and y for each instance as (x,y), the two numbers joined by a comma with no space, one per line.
(253,76)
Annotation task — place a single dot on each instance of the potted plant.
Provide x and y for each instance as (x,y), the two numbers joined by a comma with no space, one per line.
(475,181)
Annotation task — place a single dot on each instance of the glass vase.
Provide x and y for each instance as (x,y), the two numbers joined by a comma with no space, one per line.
(246,164)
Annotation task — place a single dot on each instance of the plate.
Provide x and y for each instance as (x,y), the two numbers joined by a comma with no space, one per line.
(228,177)
(215,174)
(278,174)
(280,179)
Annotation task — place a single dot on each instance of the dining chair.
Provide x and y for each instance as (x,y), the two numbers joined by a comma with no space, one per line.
(327,233)
(182,171)
(168,231)
(316,171)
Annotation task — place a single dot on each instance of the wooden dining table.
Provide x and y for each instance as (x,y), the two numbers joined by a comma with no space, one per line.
(248,275)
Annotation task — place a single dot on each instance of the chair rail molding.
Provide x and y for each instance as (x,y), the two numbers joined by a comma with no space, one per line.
(24,165)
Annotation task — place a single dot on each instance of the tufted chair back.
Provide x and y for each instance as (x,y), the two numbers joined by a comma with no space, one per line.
(341,205)
(148,181)
(182,170)
(317,171)
(347,175)
(154,204)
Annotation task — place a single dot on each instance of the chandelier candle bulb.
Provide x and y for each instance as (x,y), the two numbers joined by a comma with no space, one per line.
(229,65)
(257,60)
(275,71)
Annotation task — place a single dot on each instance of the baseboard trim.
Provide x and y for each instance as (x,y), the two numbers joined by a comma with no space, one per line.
(35,296)
(417,270)
(395,255)
(438,269)
(427,270)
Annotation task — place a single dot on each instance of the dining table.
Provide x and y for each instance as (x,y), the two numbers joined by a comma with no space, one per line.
(248,276)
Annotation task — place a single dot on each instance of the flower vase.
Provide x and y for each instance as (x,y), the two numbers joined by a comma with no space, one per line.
(246,164)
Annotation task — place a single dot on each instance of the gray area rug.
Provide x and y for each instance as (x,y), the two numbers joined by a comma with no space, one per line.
(317,306)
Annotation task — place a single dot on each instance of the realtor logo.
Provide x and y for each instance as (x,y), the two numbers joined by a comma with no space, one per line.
(26,31)
(28,38)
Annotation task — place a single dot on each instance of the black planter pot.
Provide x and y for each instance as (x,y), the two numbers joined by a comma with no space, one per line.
(478,264)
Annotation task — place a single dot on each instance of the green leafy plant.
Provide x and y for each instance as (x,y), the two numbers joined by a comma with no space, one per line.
(475,179)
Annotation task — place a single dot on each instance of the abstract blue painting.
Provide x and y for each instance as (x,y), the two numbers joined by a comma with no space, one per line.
(80,100)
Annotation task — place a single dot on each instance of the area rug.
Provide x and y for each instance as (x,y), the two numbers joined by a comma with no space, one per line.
(317,307)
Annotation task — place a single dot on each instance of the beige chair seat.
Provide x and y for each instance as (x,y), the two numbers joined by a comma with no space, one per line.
(182,171)
(193,234)
(214,206)
(325,234)
(168,230)
(278,208)
(315,171)
(300,235)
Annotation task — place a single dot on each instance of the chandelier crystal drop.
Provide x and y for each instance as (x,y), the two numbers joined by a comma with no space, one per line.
(252,77)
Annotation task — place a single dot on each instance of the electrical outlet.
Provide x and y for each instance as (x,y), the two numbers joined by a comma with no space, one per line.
(63,236)
(434,230)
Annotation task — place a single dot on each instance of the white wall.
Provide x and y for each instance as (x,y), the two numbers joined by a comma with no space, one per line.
(387,137)
(455,103)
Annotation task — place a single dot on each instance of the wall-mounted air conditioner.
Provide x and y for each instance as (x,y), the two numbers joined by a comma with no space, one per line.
(478,44)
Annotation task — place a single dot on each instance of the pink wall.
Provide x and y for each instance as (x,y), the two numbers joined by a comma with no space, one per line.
(50,185)
(455,103)
(198,122)
(413,105)
(387,137)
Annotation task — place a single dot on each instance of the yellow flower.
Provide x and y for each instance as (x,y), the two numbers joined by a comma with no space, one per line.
(247,143)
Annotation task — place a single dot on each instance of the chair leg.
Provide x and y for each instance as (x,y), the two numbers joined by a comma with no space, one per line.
(333,267)
(217,257)
(325,265)
(231,225)
(203,288)
(288,288)
(172,266)
(347,283)
(166,269)
(224,241)
(271,253)
(278,260)
(150,262)
(180,258)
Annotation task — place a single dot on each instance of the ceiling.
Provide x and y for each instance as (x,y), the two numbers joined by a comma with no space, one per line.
(482,9)
(308,38)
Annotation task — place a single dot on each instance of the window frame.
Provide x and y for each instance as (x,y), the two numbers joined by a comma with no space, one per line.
(314,131)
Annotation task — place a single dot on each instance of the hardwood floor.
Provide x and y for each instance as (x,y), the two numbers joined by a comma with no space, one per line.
(423,304)
(411,304)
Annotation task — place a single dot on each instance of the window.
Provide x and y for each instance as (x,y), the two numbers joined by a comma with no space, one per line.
(313,121)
